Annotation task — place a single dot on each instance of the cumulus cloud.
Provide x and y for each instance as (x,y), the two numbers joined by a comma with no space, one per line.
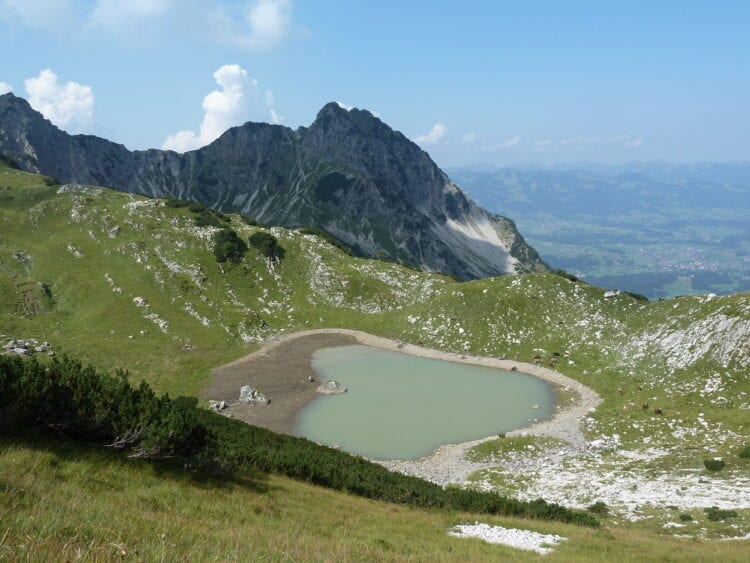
(469,137)
(237,99)
(512,142)
(70,104)
(435,135)
(5,88)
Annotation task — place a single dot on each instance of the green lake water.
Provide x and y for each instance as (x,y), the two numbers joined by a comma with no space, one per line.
(403,407)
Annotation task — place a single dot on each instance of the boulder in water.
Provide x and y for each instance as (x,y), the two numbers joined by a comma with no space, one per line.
(331,388)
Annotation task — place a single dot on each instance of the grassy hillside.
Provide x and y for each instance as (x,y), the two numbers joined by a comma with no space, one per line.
(124,281)
(59,501)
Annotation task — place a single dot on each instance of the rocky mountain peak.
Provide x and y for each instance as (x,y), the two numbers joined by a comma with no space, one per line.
(348,173)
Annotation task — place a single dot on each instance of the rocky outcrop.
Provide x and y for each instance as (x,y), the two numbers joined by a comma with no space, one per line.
(348,173)
(250,396)
(331,388)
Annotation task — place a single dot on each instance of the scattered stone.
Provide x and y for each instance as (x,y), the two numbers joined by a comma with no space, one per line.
(512,537)
(218,406)
(331,388)
(250,396)
(514,368)
(26,347)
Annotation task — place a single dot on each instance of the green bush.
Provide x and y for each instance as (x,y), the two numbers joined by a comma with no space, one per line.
(566,275)
(228,246)
(598,508)
(715,514)
(75,401)
(714,464)
(267,245)
(745,452)
(210,218)
(174,202)
(686,517)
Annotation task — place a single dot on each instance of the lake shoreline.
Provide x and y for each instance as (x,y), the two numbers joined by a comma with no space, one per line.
(282,366)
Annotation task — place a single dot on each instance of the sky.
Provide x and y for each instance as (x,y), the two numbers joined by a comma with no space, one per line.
(476,81)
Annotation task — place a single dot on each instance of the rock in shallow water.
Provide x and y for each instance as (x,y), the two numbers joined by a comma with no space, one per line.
(331,388)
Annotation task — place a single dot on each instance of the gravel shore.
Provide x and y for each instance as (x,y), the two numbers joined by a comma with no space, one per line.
(281,369)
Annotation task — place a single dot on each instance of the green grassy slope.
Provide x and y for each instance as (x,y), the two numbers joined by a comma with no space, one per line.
(123,281)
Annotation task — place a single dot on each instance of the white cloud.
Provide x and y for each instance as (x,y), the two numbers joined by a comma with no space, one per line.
(435,135)
(222,108)
(118,14)
(5,88)
(512,142)
(541,145)
(269,22)
(347,107)
(470,137)
(238,99)
(581,141)
(46,14)
(276,118)
(63,104)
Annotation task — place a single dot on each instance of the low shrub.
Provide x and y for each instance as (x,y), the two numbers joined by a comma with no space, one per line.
(598,508)
(210,218)
(174,202)
(745,452)
(686,517)
(566,275)
(78,402)
(714,464)
(716,514)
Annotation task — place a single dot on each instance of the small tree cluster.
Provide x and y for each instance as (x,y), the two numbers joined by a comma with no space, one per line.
(268,245)
(228,246)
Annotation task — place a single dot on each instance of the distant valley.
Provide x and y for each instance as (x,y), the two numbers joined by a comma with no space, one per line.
(657,229)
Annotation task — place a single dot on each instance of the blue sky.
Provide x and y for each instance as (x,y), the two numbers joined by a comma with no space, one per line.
(474,81)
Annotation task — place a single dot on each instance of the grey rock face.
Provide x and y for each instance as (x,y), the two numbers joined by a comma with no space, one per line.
(331,388)
(348,173)
(250,396)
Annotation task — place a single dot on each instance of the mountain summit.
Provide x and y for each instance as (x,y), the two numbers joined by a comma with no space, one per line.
(348,172)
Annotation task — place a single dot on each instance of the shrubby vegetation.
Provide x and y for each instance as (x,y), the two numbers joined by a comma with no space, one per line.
(78,402)
(174,202)
(745,452)
(228,246)
(716,514)
(714,464)
(599,508)
(268,245)
(566,275)
(328,237)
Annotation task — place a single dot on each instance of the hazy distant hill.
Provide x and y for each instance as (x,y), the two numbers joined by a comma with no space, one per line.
(348,173)
(655,228)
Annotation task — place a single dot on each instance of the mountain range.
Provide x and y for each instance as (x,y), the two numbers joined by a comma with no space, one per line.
(347,173)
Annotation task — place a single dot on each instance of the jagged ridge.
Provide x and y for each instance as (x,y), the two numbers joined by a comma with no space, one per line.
(348,172)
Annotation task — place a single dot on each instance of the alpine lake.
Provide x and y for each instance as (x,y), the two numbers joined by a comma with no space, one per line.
(400,406)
